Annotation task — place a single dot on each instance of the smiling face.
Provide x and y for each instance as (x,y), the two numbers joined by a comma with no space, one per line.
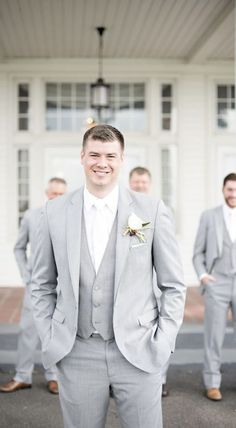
(102,161)
(229,192)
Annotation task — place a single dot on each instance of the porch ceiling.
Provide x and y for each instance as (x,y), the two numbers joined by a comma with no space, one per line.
(185,30)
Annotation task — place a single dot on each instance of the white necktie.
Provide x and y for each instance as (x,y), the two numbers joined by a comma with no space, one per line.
(100,233)
(232,223)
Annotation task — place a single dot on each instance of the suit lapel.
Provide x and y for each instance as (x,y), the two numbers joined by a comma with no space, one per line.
(125,207)
(73,229)
(219,226)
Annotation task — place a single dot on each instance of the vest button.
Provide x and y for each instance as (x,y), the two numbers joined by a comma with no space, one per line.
(96,305)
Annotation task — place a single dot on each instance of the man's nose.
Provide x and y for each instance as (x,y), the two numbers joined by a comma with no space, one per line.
(102,162)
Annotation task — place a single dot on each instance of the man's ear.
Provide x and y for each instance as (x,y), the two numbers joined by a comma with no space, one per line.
(81,156)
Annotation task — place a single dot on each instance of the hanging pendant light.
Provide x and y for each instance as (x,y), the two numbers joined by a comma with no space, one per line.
(100,91)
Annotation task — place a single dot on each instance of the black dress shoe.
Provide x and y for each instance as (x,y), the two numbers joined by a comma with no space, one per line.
(165,391)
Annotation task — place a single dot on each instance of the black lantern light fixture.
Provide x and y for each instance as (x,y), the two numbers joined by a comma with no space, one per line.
(100,91)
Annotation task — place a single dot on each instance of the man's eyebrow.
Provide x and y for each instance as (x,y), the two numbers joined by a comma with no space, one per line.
(106,154)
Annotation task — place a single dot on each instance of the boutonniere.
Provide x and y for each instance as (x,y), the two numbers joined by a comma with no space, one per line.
(135,227)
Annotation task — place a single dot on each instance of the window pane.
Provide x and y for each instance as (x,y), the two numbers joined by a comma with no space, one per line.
(66,89)
(23,123)
(233,91)
(23,106)
(51,90)
(23,172)
(51,123)
(139,104)
(222,91)
(139,90)
(23,205)
(166,123)
(23,189)
(222,107)
(66,122)
(166,107)
(124,105)
(166,91)
(22,156)
(80,90)
(23,90)
(51,106)
(66,104)
(222,123)
(124,90)
(80,104)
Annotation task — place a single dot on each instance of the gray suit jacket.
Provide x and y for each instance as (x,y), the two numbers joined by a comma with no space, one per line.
(25,237)
(209,240)
(144,336)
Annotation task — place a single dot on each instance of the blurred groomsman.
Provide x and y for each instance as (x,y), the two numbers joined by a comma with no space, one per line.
(28,336)
(214,260)
(140,180)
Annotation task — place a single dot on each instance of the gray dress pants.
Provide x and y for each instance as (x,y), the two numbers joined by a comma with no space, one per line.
(28,341)
(220,296)
(84,377)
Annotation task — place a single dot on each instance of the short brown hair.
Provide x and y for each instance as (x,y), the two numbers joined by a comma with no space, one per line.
(140,170)
(229,177)
(103,133)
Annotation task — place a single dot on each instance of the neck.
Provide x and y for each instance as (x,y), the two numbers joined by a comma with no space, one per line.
(100,192)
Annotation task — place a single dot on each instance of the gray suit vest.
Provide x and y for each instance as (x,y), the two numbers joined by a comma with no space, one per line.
(226,264)
(96,292)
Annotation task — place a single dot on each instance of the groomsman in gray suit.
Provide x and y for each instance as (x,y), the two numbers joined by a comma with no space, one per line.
(140,180)
(28,338)
(94,304)
(214,260)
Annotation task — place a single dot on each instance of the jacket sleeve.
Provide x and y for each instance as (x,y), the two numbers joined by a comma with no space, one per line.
(20,249)
(169,275)
(44,279)
(199,251)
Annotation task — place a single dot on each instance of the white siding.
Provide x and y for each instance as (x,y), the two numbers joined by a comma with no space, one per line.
(192,163)
(8,270)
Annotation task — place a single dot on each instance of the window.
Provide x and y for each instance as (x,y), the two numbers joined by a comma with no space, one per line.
(23,107)
(68,106)
(226,113)
(166,107)
(128,106)
(23,182)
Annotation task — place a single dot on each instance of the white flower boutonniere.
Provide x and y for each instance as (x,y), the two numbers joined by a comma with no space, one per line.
(135,227)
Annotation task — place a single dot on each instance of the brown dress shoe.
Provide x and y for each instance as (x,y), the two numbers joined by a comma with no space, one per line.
(13,386)
(214,394)
(52,386)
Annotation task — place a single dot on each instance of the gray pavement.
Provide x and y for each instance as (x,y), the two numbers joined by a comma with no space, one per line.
(186,407)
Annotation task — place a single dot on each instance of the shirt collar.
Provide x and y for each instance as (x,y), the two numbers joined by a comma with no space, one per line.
(111,200)
(228,211)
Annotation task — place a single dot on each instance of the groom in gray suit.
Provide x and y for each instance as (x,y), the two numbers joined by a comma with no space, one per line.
(214,260)
(93,296)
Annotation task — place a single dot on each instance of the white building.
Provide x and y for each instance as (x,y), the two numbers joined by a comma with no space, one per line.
(171,66)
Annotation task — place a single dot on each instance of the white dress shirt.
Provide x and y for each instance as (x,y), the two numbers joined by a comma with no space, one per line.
(230,221)
(99,215)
